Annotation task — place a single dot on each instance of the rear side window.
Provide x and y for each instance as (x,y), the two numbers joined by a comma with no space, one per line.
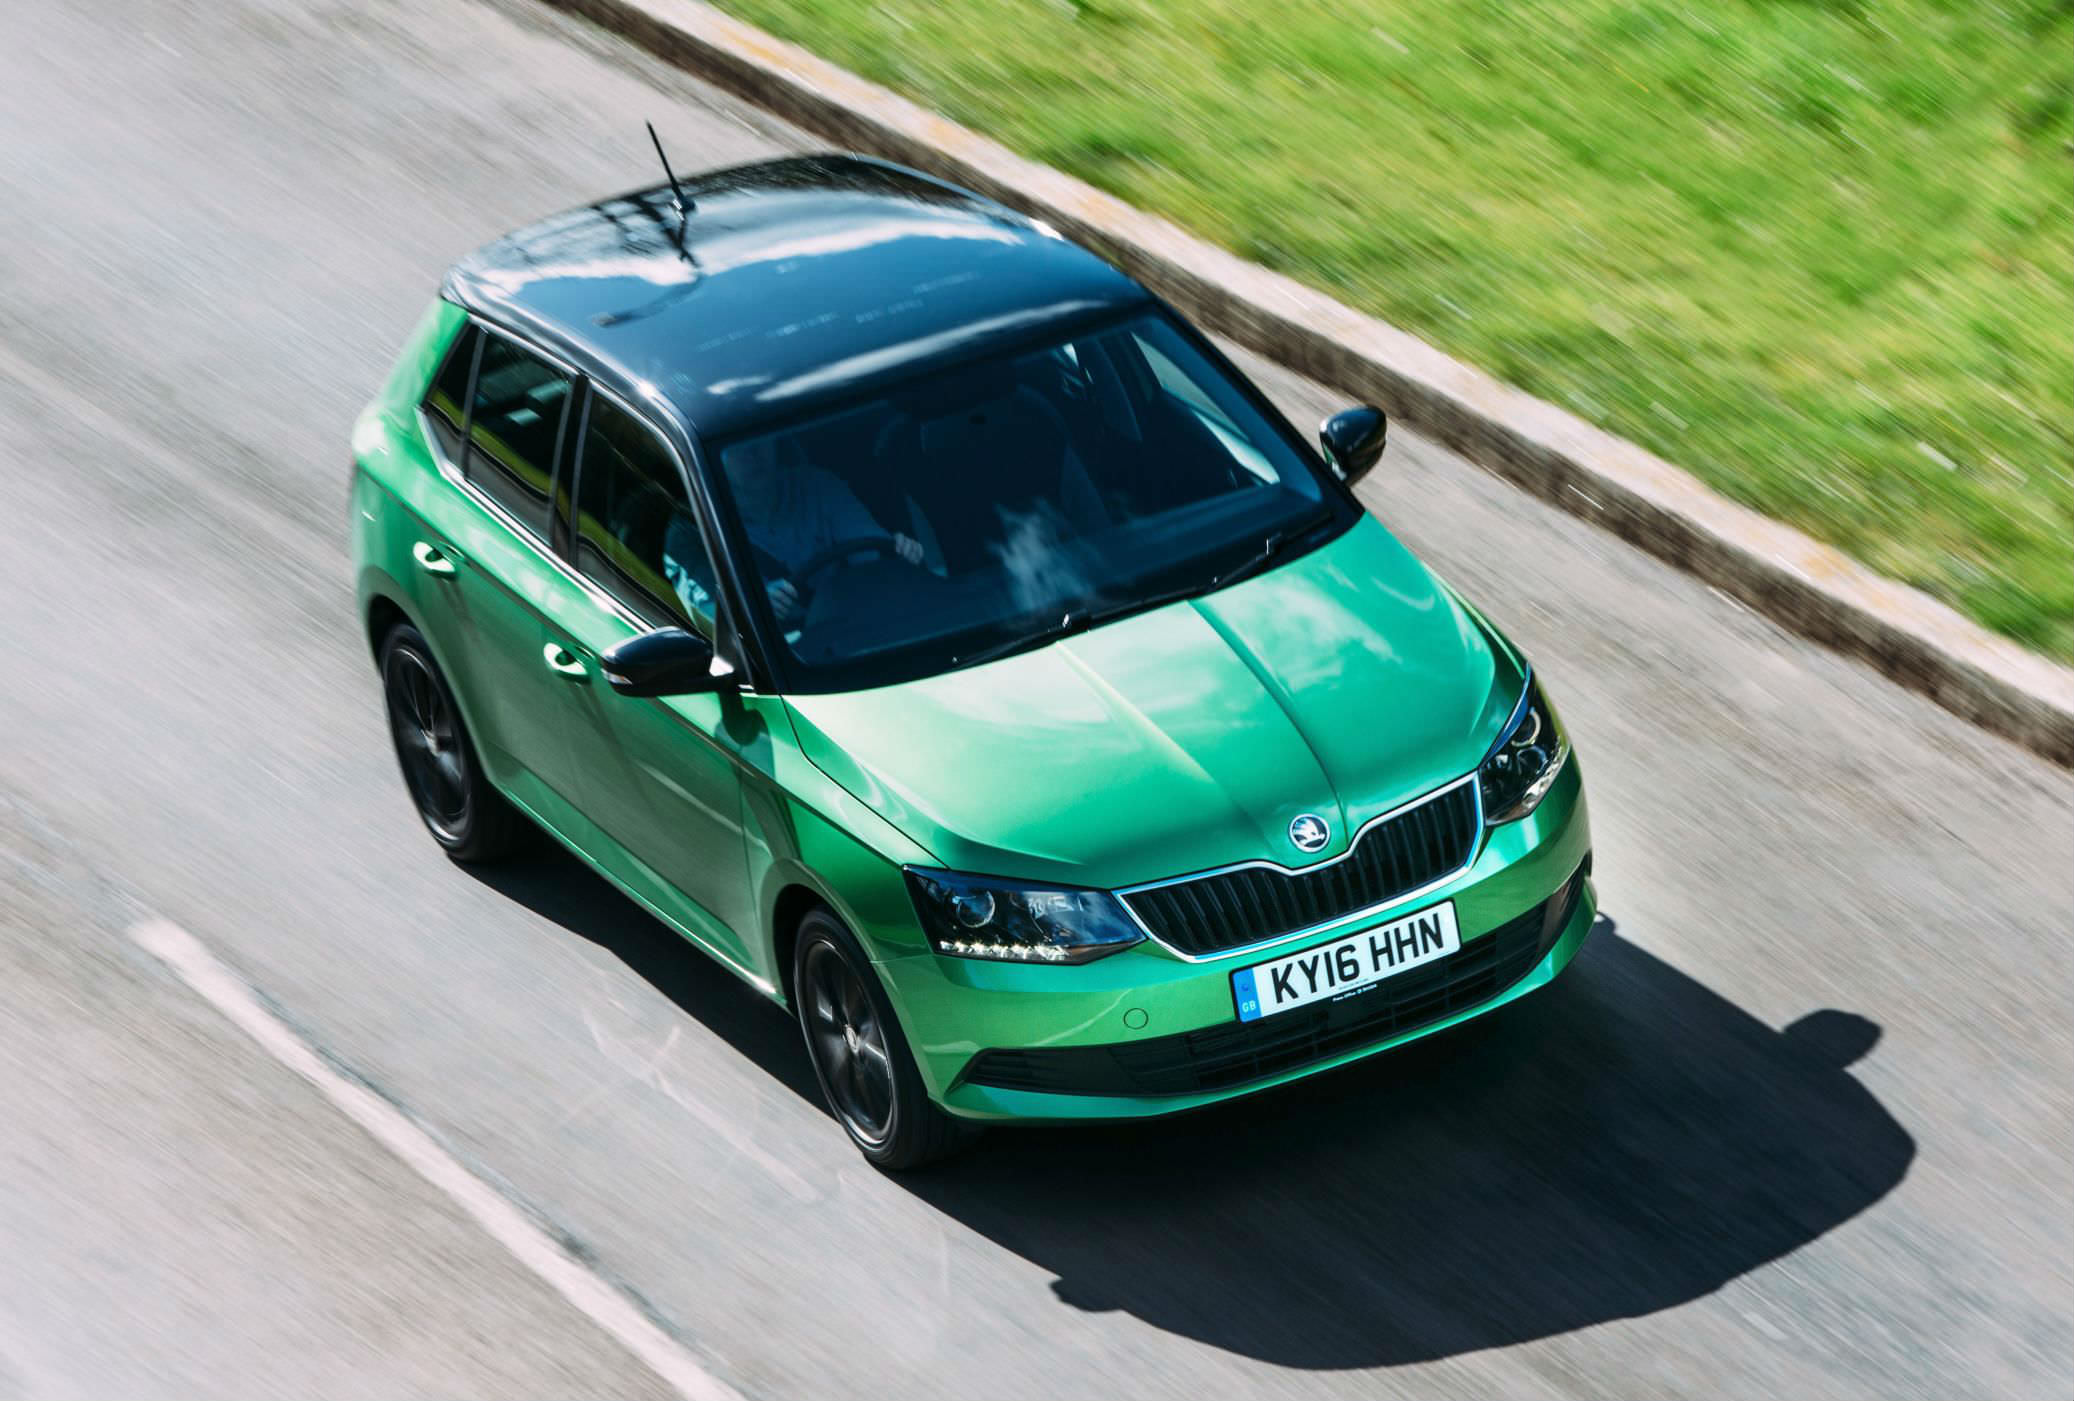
(635,536)
(446,406)
(515,429)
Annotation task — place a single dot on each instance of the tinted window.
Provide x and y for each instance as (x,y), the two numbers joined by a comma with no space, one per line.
(1221,416)
(994,505)
(635,535)
(515,427)
(446,404)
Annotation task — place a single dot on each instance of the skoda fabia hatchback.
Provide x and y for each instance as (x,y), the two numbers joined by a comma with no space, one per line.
(922,619)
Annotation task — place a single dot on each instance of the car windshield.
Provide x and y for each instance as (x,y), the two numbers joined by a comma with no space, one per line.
(998,505)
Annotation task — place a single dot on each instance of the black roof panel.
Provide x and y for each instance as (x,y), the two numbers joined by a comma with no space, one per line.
(805,277)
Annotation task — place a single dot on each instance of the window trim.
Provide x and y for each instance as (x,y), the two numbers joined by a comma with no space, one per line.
(577,380)
(454,473)
(451,470)
(561,524)
(732,644)
(577,454)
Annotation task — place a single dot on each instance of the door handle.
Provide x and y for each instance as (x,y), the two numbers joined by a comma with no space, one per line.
(562,662)
(432,561)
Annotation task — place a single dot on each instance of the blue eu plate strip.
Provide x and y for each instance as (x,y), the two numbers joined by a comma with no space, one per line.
(1246,995)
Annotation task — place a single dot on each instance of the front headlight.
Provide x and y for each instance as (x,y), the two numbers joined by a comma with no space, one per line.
(1017,921)
(1523,765)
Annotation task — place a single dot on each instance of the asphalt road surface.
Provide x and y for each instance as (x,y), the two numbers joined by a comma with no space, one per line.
(1797,1123)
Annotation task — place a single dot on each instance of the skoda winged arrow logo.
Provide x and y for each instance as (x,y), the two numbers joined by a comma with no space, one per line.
(1308,832)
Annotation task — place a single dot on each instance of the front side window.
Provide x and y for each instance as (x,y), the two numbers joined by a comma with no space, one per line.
(515,429)
(984,509)
(634,533)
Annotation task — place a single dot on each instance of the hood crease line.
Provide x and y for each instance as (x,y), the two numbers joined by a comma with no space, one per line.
(1275,692)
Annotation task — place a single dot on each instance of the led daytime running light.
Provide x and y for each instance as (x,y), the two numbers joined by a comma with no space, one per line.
(1027,953)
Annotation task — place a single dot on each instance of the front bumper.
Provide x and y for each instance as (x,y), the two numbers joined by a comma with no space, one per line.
(1122,1023)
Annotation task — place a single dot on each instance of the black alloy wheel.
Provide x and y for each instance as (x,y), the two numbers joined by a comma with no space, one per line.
(456,802)
(860,1057)
(849,1045)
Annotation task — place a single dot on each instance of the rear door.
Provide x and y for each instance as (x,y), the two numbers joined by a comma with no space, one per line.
(491,551)
(661,778)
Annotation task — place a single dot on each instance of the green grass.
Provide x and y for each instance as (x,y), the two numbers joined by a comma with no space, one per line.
(1819,252)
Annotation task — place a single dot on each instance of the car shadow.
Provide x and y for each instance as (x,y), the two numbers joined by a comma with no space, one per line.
(1617,1144)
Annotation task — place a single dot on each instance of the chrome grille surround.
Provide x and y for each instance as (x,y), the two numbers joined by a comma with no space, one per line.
(1251,905)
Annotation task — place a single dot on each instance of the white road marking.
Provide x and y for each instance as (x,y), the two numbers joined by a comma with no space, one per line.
(531,1246)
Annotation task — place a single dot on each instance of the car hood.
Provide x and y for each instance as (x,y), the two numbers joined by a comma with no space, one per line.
(1341,684)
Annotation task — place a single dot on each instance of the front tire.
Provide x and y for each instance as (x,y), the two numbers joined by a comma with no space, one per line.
(455,800)
(866,1071)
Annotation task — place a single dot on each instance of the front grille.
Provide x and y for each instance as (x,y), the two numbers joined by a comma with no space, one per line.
(1228,909)
(1237,1053)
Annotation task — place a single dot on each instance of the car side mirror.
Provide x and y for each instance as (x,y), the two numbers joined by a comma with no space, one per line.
(666,662)
(1353,441)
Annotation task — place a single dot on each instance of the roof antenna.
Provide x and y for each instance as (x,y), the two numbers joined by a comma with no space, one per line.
(678,291)
(684,205)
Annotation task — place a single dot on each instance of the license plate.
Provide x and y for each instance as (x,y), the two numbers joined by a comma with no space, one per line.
(1345,965)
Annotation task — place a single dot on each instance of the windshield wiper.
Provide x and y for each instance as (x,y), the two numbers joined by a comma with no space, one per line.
(1271,548)
(1074,620)
(1079,620)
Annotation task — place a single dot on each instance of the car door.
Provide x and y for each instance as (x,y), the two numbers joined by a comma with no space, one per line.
(661,777)
(489,546)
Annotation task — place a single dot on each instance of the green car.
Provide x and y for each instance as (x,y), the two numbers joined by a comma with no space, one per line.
(917,615)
